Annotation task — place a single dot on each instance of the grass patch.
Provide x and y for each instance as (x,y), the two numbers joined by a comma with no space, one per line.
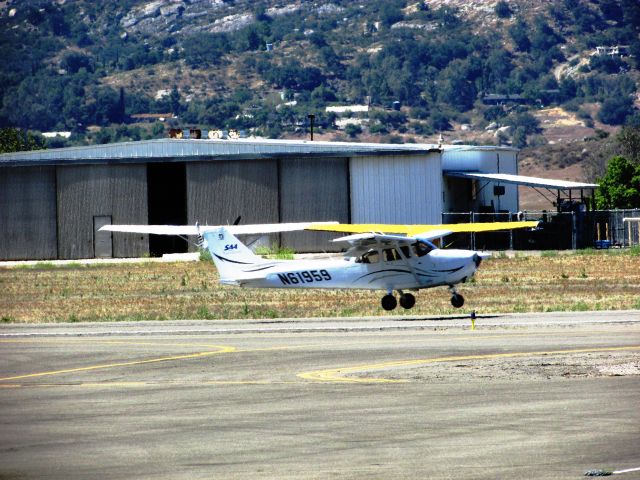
(633,251)
(205,256)
(275,252)
(579,307)
(190,290)
(588,251)
(204,313)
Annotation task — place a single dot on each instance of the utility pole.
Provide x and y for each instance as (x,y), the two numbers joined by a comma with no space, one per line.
(311,119)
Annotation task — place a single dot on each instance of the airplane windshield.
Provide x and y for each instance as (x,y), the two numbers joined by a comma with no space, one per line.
(421,248)
(372,256)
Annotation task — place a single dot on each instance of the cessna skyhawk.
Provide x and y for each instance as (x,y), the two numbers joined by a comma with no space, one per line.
(373,260)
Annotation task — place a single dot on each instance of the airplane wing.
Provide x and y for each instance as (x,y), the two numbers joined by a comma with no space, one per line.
(422,231)
(198,230)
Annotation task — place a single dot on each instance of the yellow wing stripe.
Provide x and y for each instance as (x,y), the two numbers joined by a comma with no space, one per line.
(417,229)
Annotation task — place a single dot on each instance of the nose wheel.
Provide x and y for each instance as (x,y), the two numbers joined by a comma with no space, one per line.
(457,300)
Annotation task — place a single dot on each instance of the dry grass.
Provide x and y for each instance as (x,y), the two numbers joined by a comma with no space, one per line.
(158,291)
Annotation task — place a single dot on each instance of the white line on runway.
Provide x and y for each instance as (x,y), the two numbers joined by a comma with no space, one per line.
(411,325)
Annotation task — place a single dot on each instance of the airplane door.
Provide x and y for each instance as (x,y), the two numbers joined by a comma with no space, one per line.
(102,243)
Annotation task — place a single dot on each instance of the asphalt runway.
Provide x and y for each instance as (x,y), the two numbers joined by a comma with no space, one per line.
(521,396)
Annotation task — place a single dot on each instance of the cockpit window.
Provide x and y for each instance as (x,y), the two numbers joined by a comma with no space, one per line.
(421,248)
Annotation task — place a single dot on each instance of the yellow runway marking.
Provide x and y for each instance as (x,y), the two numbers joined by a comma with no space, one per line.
(337,374)
(222,349)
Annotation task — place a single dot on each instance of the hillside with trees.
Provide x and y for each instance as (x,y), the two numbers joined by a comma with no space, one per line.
(490,72)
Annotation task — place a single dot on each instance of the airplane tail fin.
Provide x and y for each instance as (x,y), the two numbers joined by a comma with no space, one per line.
(231,256)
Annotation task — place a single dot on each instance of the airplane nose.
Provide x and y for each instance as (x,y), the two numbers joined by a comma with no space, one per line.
(477,259)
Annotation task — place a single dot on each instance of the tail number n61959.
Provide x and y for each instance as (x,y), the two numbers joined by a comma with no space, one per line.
(305,276)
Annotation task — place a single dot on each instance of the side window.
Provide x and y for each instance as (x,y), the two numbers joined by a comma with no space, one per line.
(391,255)
(406,251)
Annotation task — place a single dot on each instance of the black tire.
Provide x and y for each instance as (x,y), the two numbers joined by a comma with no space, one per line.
(389,302)
(407,301)
(457,300)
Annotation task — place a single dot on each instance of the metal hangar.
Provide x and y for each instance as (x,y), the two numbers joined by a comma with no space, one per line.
(52,202)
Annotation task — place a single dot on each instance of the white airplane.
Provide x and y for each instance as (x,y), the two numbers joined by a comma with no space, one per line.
(372,261)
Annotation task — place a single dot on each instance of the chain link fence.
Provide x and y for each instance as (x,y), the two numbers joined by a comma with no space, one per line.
(556,231)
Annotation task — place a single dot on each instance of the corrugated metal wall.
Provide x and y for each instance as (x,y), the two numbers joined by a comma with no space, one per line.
(218,192)
(28,213)
(313,190)
(396,189)
(97,190)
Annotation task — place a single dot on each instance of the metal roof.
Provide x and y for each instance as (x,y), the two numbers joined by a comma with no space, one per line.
(169,149)
(524,180)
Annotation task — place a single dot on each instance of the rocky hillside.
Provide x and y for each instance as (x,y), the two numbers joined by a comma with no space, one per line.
(518,72)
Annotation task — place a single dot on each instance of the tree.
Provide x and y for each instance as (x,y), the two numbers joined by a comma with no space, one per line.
(620,186)
(629,140)
(439,122)
(614,110)
(519,138)
(390,13)
(174,101)
(502,9)
(518,33)
(353,130)
(524,120)
(74,61)
(16,140)
(205,49)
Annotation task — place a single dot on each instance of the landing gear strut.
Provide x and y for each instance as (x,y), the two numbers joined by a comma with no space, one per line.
(457,300)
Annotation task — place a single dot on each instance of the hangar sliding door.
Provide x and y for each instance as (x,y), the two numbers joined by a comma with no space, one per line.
(218,192)
(28,213)
(402,189)
(88,191)
(315,189)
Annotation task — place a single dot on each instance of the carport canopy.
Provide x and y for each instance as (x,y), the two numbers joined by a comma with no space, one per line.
(535,182)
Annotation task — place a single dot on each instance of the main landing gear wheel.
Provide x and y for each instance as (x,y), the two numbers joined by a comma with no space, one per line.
(457,300)
(407,301)
(389,302)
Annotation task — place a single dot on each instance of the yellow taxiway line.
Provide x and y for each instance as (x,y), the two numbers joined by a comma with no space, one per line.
(221,349)
(337,374)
